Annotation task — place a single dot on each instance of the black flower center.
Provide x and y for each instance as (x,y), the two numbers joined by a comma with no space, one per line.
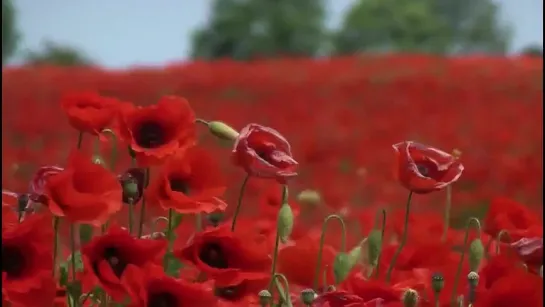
(212,254)
(163,299)
(423,170)
(179,185)
(13,261)
(228,293)
(111,255)
(150,135)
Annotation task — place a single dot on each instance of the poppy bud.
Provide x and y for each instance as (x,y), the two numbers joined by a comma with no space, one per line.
(265,297)
(410,298)
(285,222)
(98,160)
(130,189)
(222,130)
(354,255)
(309,197)
(374,247)
(476,253)
(437,282)
(342,266)
(308,296)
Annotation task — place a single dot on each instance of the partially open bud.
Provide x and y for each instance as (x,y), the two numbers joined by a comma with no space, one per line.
(265,297)
(309,197)
(308,296)
(342,265)
(476,253)
(374,247)
(410,298)
(285,222)
(437,282)
(222,130)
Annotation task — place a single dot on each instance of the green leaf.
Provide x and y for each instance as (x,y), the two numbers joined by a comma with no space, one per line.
(85,233)
(172,265)
(176,220)
(63,277)
(79,261)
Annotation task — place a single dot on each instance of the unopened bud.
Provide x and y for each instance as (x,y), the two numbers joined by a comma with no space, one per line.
(410,298)
(285,222)
(222,130)
(98,160)
(476,253)
(342,265)
(308,296)
(309,197)
(437,282)
(374,247)
(265,297)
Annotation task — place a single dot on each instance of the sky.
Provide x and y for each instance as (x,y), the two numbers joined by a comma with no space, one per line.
(121,33)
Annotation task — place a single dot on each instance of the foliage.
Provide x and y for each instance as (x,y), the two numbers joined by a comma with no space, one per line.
(10,33)
(57,54)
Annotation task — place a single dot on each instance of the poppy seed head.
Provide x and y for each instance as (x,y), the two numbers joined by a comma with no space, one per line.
(308,296)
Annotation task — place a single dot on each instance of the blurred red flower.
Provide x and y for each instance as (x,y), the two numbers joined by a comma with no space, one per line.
(189,184)
(424,169)
(227,257)
(514,218)
(149,286)
(264,152)
(156,132)
(84,192)
(518,288)
(106,257)
(88,111)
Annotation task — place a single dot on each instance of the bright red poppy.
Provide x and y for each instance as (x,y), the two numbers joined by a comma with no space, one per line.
(89,112)
(189,184)
(157,132)
(227,257)
(106,257)
(84,192)
(149,286)
(424,169)
(263,152)
(517,220)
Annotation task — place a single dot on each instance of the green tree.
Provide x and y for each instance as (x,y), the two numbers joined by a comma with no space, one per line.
(434,26)
(243,29)
(58,55)
(533,50)
(10,33)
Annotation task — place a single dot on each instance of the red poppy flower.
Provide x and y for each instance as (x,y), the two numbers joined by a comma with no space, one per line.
(372,289)
(149,286)
(516,289)
(508,215)
(530,250)
(337,298)
(158,131)
(264,152)
(39,180)
(190,184)
(89,112)
(27,259)
(106,257)
(424,169)
(243,294)
(227,257)
(84,192)
(497,267)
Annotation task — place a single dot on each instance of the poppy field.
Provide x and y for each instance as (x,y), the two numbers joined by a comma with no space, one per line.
(360,182)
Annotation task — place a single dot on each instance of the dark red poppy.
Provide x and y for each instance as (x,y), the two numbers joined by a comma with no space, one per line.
(514,218)
(158,131)
(190,184)
(88,111)
(516,289)
(84,192)
(27,260)
(264,152)
(242,294)
(497,267)
(106,257)
(338,298)
(370,290)
(424,169)
(149,286)
(227,257)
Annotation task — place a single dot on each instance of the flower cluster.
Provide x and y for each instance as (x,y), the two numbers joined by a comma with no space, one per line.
(159,233)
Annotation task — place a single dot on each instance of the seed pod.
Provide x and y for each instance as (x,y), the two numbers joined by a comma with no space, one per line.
(374,247)
(476,253)
(285,222)
(308,296)
(265,297)
(437,282)
(222,130)
(410,298)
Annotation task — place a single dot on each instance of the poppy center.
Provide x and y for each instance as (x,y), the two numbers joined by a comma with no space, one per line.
(150,135)
(228,293)
(179,185)
(13,261)
(162,300)
(212,254)
(423,170)
(111,255)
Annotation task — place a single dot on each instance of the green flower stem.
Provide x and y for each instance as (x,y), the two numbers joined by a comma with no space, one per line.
(131,204)
(73,260)
(113,154)
(500,235)
(56,222)
(169,229)
(382,231)
(239,203)
(464,250)
(201,121)
(283,291)
(448,205)
(143,208)
(277,240)
(403,237)
(322,241)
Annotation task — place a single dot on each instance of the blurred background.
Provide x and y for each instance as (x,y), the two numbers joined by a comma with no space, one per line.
(341,79)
